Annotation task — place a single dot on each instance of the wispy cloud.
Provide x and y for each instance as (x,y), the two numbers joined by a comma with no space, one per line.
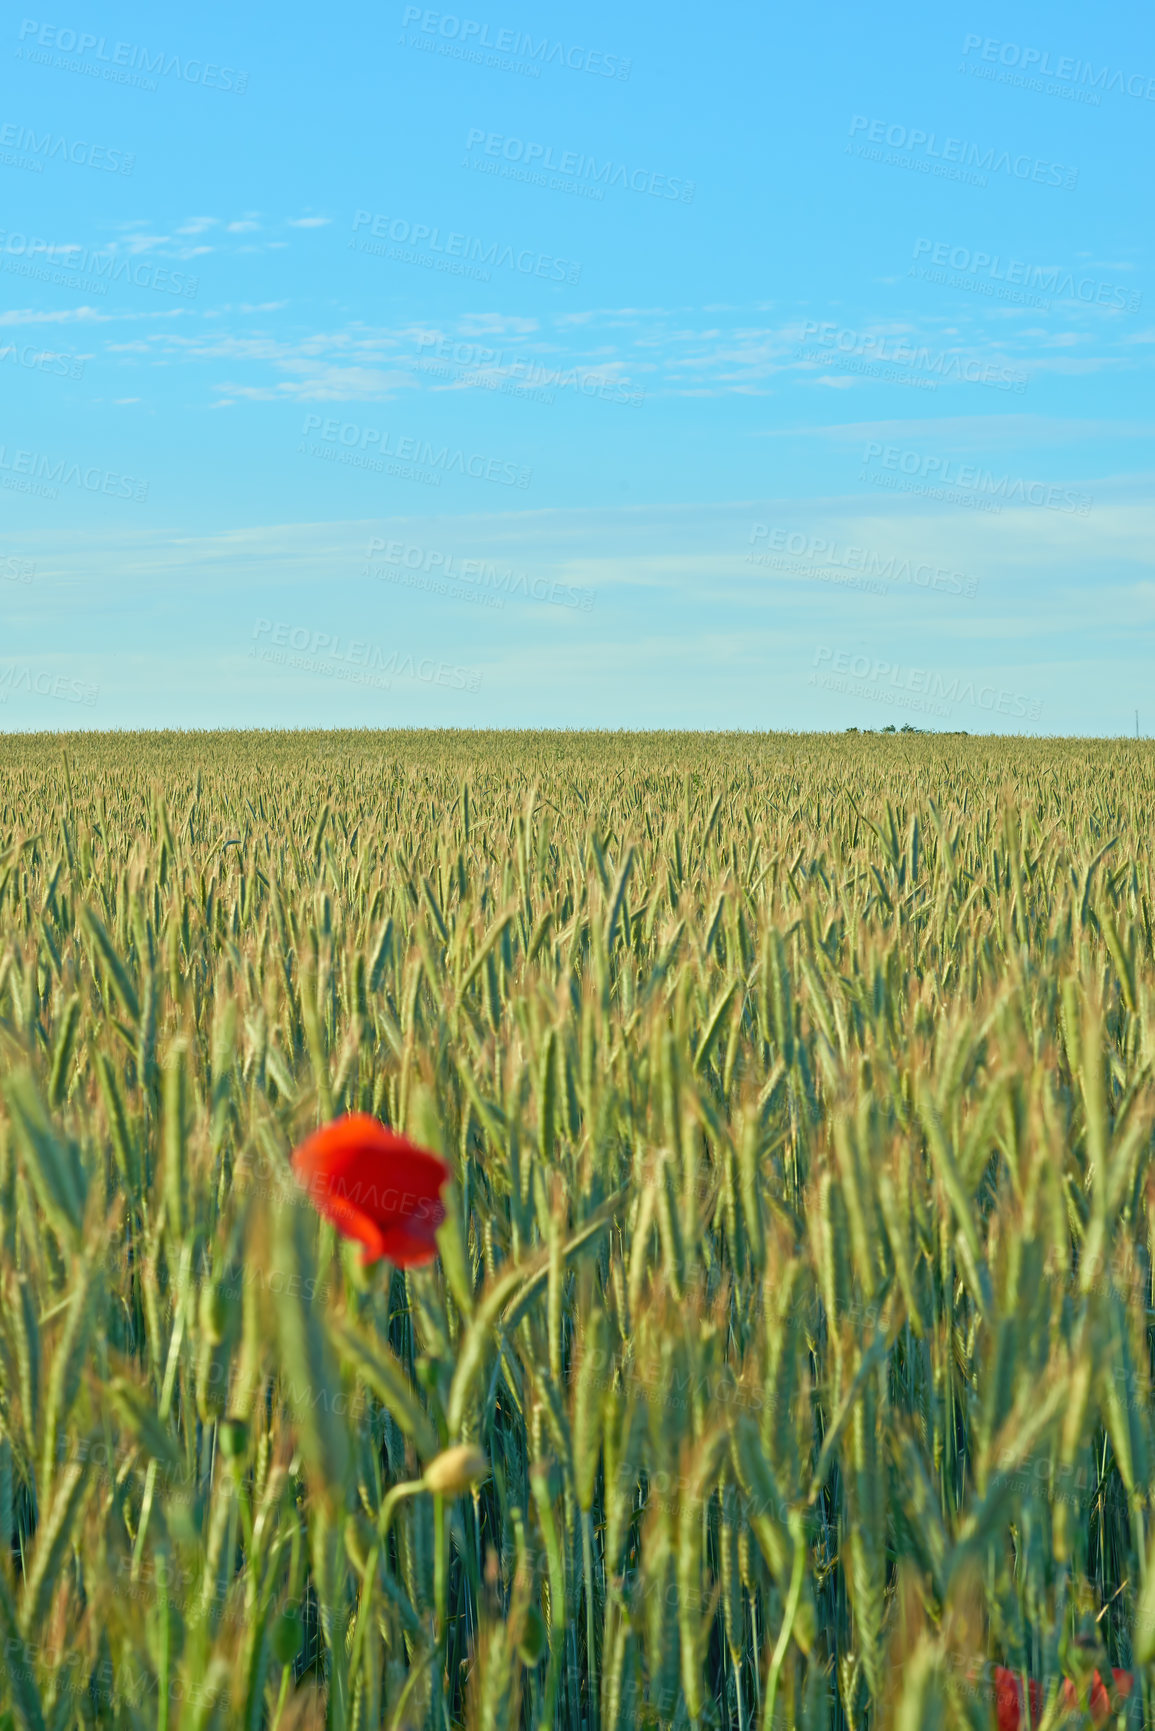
(319,383)
(673,353)
(70,315)
(91,316)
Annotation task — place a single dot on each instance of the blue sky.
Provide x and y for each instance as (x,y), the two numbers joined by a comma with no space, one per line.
(536,365)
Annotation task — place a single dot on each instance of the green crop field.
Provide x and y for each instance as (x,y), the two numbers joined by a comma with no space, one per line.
(796,1283)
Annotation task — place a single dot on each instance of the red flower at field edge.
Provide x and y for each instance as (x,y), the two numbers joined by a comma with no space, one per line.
(376,1187)
(1009,1699)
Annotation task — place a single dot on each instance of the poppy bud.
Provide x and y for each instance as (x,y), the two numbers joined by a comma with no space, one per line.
(455,1470)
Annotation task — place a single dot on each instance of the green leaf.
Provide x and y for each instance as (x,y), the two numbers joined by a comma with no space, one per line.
(52,1163)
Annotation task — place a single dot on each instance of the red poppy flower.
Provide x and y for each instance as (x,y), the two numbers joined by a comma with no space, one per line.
(376,1187)
(1009,1699)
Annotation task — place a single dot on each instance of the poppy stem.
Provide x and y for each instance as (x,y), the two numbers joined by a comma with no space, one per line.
(411,1488)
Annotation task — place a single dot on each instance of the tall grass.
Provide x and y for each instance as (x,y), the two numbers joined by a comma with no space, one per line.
(796,1283)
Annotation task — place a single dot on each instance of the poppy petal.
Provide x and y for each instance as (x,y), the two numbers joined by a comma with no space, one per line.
(377,1187)
(352,1223)
(408,1249)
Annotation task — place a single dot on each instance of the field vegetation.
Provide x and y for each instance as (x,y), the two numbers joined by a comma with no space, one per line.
(796,1284)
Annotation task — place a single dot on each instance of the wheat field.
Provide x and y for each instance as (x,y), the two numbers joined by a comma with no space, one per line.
(797,1277)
